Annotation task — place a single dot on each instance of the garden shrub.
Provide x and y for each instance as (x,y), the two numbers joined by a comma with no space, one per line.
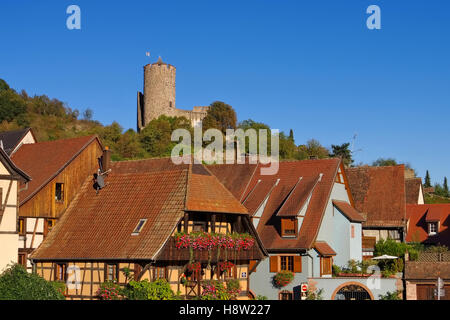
(18,284)
(146,290)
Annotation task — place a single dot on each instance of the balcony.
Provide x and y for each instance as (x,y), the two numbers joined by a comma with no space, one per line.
(170,252)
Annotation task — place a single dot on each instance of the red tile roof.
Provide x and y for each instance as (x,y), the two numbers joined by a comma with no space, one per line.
(298,196)
(348,211)
(284,191)
(420,214)
(324,248)
(379,192)
(234,177)
(45,160)
(206,193)
(412,190)
(100,226)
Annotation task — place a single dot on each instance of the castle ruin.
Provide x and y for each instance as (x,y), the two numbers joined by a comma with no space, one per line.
(159,96)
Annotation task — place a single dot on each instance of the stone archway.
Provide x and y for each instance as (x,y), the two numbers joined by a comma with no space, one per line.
(352,291)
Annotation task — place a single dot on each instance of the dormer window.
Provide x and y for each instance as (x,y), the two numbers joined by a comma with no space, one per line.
(139,227)
(432,228)
(288,227)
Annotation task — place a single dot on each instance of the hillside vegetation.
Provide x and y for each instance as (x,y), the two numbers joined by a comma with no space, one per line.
(52,119)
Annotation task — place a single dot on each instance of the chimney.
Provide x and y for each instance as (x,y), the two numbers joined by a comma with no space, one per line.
(106,159)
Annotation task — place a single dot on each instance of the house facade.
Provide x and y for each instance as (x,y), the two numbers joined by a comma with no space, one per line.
(137,220)
(10,179)
(305,218)
(58,169)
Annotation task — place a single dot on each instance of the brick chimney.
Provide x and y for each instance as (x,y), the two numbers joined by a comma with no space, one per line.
(106,159)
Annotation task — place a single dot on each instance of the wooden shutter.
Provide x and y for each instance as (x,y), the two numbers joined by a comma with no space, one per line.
(251,266)
(274,263)
(297,264)
(327,263)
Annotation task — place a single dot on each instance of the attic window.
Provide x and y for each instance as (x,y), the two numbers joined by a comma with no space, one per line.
(288,227)
(139,227)
(59,192)
(432,228)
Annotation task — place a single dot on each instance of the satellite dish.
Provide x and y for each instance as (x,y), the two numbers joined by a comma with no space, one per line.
(100,181)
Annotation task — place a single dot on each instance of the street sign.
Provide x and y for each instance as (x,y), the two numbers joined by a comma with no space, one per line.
(304,287)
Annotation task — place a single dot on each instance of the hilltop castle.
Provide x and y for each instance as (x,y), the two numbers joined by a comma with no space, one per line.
(159,96)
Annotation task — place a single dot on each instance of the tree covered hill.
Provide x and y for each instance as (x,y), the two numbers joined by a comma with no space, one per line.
(52,119)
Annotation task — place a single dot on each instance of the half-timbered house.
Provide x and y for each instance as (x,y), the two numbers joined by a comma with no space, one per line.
(135,223)
(58,169)
(10,178)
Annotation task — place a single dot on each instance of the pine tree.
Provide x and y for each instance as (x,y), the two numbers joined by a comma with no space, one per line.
(291,135)
(446,187)
(427,183)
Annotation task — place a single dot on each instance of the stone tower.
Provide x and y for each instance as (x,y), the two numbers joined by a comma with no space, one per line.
(159,96)
(159,92)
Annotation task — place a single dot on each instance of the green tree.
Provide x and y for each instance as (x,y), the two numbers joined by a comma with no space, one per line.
(383,162)
(129,146)
(313,148)
(17,284)
(342,151)
(220,116)
(427,183)
(155,138)
(87,114)
(445,187)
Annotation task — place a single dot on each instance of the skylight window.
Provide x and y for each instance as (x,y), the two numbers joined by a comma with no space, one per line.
(139,227)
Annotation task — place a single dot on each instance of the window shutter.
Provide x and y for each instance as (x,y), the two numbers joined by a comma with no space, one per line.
(251,266)
(297,264)
(274,263)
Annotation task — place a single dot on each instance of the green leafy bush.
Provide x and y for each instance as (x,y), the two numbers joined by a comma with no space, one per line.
(390,296)
(17,284)
(146,290)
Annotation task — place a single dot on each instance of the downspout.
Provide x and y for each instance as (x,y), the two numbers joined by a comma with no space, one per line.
(312,264)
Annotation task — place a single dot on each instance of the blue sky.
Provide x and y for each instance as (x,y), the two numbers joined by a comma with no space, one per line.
(312,66)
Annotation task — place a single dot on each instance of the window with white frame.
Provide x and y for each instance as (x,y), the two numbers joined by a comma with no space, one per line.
(432,228)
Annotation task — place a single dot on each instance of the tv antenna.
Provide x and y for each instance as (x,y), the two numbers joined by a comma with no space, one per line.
(352,148)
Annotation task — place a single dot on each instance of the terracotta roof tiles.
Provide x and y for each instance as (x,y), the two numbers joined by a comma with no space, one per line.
(348,211)
(324,248)
(418,217)
(100,226)
(412,190)
(379,192)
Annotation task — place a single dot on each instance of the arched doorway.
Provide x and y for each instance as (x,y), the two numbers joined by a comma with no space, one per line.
(352,291)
